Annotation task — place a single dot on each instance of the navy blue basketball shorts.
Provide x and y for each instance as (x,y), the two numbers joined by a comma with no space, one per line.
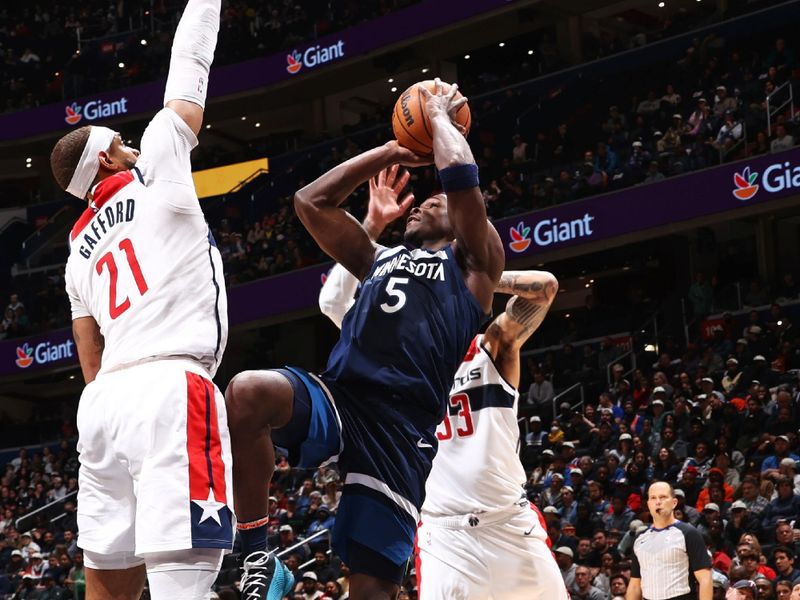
(384,451)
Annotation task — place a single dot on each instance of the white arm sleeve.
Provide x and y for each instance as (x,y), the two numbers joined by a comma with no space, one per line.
(192,52)
(338,294)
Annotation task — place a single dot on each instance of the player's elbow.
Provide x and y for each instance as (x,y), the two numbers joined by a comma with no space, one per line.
(551,284)
(307,201)
(303,205)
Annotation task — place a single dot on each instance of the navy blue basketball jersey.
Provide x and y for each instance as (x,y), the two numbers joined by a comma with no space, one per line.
(409,329)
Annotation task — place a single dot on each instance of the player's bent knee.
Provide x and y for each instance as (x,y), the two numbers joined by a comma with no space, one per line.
(256,399)
(182,574)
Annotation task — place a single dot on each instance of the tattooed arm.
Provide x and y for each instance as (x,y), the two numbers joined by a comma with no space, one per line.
(533,293)
(90,344)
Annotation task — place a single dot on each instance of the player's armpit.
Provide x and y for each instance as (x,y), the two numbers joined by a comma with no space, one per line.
(90,344)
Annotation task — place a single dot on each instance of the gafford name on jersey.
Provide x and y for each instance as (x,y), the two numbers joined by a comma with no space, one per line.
(121,211)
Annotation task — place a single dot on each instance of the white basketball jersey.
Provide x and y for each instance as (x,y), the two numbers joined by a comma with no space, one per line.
(477,468)
(143,262)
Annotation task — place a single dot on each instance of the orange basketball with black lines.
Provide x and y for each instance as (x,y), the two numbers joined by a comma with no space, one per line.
(410,122)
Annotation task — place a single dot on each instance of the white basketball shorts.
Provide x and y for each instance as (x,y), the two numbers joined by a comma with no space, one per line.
(503,556)
(155,461)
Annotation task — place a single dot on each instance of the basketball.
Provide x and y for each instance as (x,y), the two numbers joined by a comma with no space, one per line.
(410,123)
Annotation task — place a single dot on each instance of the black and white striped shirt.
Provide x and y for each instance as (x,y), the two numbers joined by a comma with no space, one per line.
(665,560)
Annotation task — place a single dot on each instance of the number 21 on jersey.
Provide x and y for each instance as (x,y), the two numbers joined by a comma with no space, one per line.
(107,262)
(463,428)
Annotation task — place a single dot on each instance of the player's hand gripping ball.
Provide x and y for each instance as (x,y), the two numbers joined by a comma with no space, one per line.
(410,122)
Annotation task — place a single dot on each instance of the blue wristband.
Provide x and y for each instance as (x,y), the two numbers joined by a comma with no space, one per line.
(459,177)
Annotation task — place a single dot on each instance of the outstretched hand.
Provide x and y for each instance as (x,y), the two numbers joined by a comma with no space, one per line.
(384,191)
(438,103)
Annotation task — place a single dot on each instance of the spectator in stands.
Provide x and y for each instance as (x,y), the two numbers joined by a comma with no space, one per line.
(519,153)
(606,160)
(28,546)
(781,58)
(785,506)
(783,558)
(322,567)
(620,516)
(14,302)
(770,467)
(732,377)
(650,105)
(671,141)
(70,520)
(723,103)
(565,559)
(308,587)
(654,174)
(540,393)
(323,520)
(782,141)
(584,590)
(699,122)
(783,591)
(730,133)
(71,543)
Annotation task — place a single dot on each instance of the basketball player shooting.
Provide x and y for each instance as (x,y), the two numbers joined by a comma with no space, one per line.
(144,279)
(376,408)
(479,537)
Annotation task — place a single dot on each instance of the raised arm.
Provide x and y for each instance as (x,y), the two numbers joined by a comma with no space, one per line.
(339,290)
(533,294)
(477,241)
(337,232)
(192,53)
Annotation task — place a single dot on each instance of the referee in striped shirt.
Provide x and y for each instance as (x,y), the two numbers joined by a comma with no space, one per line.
(667,555)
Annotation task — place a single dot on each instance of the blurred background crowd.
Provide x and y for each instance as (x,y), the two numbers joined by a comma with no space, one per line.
(715,410)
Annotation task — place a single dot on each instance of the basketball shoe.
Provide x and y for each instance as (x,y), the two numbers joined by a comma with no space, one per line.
(265,577)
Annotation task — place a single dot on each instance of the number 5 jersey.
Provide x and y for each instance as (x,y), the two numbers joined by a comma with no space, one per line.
(143,262)
(408,330)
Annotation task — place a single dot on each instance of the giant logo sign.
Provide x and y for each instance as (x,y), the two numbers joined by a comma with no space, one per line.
(93,110)
(44,353)
(313,56)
